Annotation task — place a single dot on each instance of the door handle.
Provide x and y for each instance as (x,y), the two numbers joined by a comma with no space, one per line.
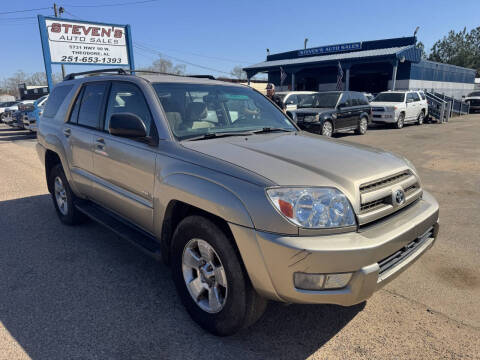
(100,144)
(67,132)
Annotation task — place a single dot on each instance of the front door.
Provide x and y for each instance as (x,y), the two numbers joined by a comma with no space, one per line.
(125,168)
(411,111)
(344,113)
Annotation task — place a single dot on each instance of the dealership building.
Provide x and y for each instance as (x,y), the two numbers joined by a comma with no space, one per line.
(367,66)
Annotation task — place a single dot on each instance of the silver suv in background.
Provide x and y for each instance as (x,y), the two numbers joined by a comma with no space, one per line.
(399,108)
(220,183)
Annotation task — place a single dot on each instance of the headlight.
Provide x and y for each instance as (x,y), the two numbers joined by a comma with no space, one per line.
(314,208)
(390,108)
(311,118)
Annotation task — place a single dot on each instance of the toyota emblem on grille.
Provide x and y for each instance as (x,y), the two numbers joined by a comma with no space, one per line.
(399,197)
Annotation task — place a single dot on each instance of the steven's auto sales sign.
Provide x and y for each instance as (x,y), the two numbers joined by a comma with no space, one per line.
(84,43)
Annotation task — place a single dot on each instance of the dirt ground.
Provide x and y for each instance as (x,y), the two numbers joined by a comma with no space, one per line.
(82,293)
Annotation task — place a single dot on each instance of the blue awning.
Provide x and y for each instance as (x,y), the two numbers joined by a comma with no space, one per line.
(406,53)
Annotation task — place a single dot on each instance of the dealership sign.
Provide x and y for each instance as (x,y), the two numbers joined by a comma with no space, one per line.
(330,49)
(84,43)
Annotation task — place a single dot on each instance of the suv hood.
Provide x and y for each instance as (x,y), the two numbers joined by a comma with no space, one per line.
(381,103)
(313,110)
(303,159)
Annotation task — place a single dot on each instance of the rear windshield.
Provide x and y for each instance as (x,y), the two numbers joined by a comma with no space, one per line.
(475,93)
(194,110)
(390,97)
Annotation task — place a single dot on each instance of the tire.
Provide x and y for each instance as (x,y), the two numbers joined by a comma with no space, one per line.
(421,117)
(63,198)
(362,126)
(401,121)
(327,129)
(237,304)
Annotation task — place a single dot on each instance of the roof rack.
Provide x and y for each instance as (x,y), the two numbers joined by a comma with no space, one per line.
(119,71)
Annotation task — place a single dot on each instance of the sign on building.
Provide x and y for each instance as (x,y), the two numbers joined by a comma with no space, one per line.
(84,43)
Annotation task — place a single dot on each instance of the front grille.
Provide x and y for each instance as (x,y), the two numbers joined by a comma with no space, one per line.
(378,197)
(384,182)
(404,252)
(378,109)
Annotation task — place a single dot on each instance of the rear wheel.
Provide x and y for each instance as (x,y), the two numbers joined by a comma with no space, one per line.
(327,129)
(401,121)
(210,278)
(421,117)
(362,126)
(63,198)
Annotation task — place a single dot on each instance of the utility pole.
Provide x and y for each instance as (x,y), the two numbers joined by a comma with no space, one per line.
(305,43)
(57,14)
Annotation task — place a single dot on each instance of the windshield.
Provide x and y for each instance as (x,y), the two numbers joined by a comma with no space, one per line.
(306,100)
(475,93)
(325,100)
(390,97)
(194,110)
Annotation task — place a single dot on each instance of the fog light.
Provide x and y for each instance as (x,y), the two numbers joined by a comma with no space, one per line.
(308,281)
(321,281)
(337,281)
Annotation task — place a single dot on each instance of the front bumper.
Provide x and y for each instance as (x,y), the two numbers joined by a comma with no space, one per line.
(384,117)
(271,259)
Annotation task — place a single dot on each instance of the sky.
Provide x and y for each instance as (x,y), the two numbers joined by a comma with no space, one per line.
(222,34)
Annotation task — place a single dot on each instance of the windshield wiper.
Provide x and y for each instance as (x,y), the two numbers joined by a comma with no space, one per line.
(215,135)
(269,130)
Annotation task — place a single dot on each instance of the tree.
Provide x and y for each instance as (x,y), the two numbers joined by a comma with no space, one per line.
(461,49)
(166,66)
(10,85)
(238,73)
(421,46)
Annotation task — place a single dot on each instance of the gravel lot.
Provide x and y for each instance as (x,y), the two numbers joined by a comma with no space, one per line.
(82,293)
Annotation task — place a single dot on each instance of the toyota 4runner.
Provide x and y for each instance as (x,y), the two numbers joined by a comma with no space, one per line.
(220,183)
(399,107)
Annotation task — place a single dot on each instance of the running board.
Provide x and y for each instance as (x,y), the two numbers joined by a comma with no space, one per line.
(119,226)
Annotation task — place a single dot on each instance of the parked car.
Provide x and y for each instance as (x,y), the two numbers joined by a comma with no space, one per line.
(399,108)
(4,106)
(334,111)
(11,115)
(291,99)
(31,118)
(473,99)
(243,210)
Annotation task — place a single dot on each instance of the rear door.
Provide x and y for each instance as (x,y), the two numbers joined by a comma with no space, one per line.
(79,131)
(125,168)
(357,109)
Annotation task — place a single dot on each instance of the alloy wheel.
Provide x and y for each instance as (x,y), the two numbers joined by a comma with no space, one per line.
(61,196)
(327,129)
(204,275)
(363,125)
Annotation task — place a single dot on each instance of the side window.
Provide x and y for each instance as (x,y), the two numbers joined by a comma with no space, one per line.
(416,97)
(291,100)
(362,99)
(422,95)
(355,99)
(410,97)
(345,101)
(127,98)
(74,114)
(55,100)
(91,105)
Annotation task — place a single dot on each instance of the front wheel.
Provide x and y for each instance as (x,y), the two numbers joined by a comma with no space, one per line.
(362,126)
(327,129)
(210,278)
(401,121)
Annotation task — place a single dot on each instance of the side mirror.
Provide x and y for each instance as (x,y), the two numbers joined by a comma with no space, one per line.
(127,125)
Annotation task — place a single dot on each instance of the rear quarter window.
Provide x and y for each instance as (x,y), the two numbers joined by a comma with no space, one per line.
(55,100)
